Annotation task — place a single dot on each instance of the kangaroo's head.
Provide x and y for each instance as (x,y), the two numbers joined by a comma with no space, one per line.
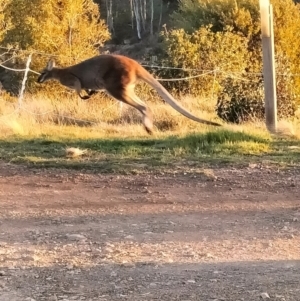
(46,73)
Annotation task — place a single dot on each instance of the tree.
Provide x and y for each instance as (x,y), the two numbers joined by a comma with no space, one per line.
(5,23)
(109,16)
(68,30)
(205,51)
(71,30)
(242,17)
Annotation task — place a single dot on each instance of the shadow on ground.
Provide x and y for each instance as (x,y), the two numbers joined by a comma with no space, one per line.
(117,155)
(222,281)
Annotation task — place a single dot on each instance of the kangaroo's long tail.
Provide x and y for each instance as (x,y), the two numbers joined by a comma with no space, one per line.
(149,79)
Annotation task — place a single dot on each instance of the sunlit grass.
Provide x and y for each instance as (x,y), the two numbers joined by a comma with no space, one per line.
(42,255)
(114,140)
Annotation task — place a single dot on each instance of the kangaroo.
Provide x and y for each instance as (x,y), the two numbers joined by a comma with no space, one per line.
(117,75)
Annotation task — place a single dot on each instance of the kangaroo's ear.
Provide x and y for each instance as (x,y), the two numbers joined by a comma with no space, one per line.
(50,65)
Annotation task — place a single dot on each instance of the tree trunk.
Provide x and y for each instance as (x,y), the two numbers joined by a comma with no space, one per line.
(152,16)
(132,13)
(145,10)
(142,13)
(160,15)
(137,17)
(110,20)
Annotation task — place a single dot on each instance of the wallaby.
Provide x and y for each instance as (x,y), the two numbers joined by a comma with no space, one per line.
(118,75)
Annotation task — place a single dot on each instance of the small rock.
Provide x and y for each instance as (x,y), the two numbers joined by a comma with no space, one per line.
(147,190)
(127,264)
(191,281)
(264,296)
(122,296)
(70,266)
(2,273)
(76,237)
(108,244)
(252,165)
(109,250)
(129,237)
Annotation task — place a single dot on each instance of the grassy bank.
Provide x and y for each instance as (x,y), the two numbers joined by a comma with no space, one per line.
(113,139)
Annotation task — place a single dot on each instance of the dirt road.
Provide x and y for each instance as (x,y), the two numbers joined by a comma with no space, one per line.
(227,234)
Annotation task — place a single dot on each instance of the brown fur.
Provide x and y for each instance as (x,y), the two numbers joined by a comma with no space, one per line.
(118,76)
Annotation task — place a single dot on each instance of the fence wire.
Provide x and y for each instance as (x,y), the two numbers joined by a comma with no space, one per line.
(200,73)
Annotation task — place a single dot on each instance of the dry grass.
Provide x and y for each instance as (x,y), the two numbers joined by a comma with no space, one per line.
(105,117)
(286,129)
(99,133)
(41,115)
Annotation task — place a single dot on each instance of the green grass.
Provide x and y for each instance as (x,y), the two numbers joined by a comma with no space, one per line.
(142,154)
(39,133)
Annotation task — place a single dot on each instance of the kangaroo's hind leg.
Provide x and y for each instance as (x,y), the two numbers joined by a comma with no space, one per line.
(128,96)
(146,112)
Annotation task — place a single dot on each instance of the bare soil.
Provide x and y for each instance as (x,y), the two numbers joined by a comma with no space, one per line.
(224,234)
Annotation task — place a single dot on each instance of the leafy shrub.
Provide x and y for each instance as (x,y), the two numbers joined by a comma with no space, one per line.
(239,50)
(286,87)
(68,30)
(242,15)
(241,100)
(205,51)
(4,24)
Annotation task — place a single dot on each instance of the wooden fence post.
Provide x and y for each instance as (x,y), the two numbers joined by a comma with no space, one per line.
(269,75)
